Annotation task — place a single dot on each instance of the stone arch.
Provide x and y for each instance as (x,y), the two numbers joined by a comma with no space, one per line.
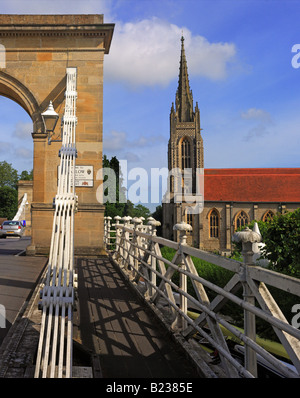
(38,49)
(13,89)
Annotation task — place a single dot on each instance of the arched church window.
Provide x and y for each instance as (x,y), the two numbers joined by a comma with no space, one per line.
(214,222)
(268,216)
(189,218)
(185,154)
(241,220)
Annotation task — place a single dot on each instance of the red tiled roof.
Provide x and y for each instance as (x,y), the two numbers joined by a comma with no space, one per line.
(252,185)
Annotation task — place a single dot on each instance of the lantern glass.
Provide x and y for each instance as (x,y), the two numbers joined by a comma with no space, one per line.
(50,118)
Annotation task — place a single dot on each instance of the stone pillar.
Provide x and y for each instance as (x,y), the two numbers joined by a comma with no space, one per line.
(41,209)
(227,226)
(39,48)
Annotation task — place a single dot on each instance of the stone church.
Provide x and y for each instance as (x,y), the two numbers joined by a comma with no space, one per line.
(232,197)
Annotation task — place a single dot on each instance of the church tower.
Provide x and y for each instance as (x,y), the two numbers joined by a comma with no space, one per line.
(185,149)
(232,197)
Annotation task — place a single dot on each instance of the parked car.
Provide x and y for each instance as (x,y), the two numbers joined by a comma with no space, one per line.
(11,228)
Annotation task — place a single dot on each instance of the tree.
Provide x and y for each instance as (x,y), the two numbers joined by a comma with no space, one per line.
(8,175)
(282,238)
(8,202)
(25,176)
(120,206)
(158,216)
(140,211)
(9,188)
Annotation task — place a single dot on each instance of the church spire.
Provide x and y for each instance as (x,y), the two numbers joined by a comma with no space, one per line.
(184,97)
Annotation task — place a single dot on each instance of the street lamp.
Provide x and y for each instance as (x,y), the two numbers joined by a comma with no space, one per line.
(50,118)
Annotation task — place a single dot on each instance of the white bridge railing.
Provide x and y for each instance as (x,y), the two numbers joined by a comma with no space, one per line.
(54,357)
(136,249)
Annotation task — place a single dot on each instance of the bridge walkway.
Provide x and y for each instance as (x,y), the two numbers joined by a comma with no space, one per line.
(112,322)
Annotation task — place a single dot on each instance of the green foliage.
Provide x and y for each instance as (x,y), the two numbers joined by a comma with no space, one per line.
(282,238)
(8,202)
(120,206)
(140,211)
(220,277)
(8,189)
(8,175)
(26,176)
(158,216)
(210,272)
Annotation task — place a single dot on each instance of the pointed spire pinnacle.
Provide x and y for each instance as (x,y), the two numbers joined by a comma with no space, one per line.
(184,97)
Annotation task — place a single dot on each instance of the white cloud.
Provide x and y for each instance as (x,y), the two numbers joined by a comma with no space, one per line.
(57,7)
(260,121)
(131,157)
(257,132)
(115,141)
(23,130)
(256,114)
(24,153)
(118,140)
(5,147)
(147,53)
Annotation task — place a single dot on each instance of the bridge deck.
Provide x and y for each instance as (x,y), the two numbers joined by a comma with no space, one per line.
(112,322)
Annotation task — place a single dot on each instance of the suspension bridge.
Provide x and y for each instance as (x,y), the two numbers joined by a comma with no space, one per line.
(136,313)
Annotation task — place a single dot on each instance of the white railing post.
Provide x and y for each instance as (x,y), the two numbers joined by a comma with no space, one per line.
(182,227)
(248,238)
(108,218)
(126,243)
(135,240)
(117,222)
(153,224)
(105,233)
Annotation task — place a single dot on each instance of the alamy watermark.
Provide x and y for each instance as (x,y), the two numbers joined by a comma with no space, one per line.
(296,58)
(158,185)
(296,318)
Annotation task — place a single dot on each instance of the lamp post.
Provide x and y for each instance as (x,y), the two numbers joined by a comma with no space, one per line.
(50,118)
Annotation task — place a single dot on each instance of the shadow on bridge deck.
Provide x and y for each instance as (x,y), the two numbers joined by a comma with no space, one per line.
(113,323)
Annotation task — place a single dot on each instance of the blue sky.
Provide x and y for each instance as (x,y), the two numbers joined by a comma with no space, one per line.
(239,55)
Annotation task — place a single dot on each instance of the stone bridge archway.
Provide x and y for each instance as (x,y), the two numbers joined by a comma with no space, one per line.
(15,90)
(38,49)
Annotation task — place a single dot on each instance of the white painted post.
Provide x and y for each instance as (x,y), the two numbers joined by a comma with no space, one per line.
(136,240)
(108,232)
(117,221)
(182,227)
(126,243)
(153,224)
(248,239)
(105,233)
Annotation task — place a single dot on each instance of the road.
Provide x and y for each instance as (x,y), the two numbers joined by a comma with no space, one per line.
(18,277)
